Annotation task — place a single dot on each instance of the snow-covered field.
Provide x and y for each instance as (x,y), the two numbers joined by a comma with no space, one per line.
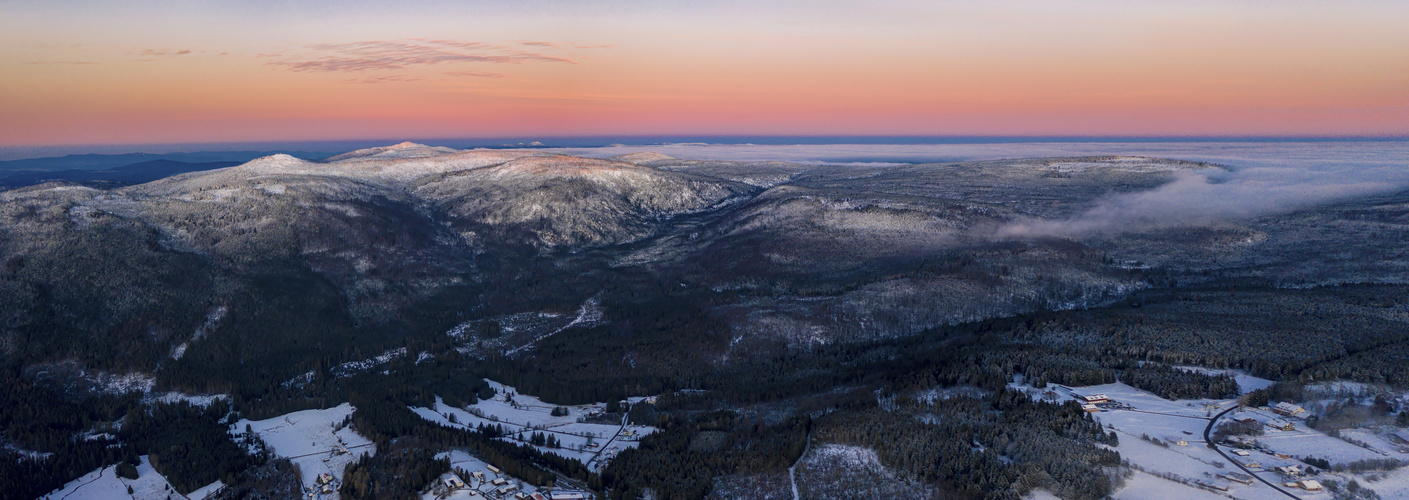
(1170,471)
(312,439)
(522,415)
(1145,486)
(103,484)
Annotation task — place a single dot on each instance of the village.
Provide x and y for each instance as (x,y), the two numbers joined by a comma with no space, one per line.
(1167,445)
(322,443)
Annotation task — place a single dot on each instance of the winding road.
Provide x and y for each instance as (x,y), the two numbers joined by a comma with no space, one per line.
(1209,430)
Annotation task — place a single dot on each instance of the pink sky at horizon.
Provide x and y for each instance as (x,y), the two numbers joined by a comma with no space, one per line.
(166,71)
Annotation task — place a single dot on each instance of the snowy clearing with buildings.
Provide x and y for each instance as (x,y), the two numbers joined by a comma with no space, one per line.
(521,416)
(318,441)
(1164,442)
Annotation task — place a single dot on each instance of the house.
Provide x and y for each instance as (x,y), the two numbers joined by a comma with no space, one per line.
(499,481)
(1090,408)
(1241,453)
(1281,425)
(1252,465)
(1289,470)
(1098,398)
(454,483)
(539,496)
(1309,485)
(505,489)
(325,478)
(328,488)
(1287,409)
(494,469)
(520,496)
(567,495)
(1238,477)
(477,474)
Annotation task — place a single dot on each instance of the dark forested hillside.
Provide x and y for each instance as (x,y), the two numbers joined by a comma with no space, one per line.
(765,304)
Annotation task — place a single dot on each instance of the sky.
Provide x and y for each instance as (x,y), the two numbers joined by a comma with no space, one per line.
(185,71)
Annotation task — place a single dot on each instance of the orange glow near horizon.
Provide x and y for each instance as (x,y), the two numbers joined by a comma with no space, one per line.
(75,73)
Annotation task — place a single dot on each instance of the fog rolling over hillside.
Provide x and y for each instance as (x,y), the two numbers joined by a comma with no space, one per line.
(807,299)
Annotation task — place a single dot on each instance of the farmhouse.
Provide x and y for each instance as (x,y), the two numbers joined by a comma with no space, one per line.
(1098,398)
(1238,477)
(1306,484)
(1289,470)
(1287,409)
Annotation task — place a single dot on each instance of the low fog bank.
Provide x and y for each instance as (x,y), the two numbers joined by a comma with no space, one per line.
(1265,178)
(1196,199)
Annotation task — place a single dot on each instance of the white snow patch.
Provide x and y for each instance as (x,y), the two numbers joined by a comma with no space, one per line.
(525,415)
(588,315)
(103,484)
(315,440)
(124,383)
(1145,486)
(212,319)
(353,367)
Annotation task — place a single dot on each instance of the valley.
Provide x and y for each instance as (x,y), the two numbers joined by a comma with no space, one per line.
(400,318)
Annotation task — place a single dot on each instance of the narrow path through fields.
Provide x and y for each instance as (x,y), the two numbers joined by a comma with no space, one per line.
(792,473)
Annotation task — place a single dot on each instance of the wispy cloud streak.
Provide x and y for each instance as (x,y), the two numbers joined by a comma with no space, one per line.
(163,52)
(401,54)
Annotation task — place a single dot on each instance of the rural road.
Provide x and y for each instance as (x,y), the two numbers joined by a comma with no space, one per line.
(1209,429)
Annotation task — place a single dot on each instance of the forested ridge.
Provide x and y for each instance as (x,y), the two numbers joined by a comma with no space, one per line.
(824,304)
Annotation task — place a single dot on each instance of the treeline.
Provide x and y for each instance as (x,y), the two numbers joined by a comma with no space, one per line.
(649,346)
(1171,383)
(1327,333)
(188,444)
(39,419)
(1002,447)
(398,473)
(384,420)
(447,374)
(682,461)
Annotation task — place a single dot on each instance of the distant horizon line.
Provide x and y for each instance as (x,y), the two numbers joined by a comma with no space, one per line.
(20,152)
